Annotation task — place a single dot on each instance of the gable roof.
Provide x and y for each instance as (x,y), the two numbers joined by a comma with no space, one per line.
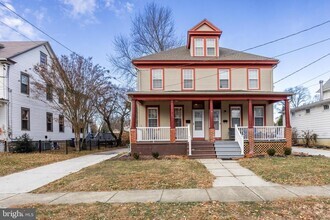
(326,86)
(205,22)
(12,49)
(183,54)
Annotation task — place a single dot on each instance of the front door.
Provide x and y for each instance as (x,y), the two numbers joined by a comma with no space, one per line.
(198,123)
(217,122)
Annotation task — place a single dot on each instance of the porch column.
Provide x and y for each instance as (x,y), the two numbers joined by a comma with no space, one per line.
(288,129)
(133,122)
(172,122)
(211,129)
(250,128)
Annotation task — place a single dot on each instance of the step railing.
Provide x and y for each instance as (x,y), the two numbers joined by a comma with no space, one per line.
(244,131)
(239,139)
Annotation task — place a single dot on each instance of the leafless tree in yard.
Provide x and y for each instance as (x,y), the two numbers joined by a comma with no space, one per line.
(300,96)
(75,81)
(113,106)
(152,31)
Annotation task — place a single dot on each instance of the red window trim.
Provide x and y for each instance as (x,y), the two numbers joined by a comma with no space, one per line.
(259,105)
(151,81)
(236,105)
(229,79)
(182,79)
(158,114)
(204,43)
(182,107)
(248,79)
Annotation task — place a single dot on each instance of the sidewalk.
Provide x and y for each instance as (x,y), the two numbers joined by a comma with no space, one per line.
(28,180)
(311,151)
(222,194)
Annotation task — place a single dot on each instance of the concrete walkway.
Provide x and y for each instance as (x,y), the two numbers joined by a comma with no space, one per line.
(230,173)
(28,180)
(311,151)
(222,194)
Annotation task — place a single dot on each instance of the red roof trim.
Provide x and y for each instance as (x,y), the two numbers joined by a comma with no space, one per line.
(208,23)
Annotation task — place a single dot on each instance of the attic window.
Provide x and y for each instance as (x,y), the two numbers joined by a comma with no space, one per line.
(210,47)
(326,107)
(308,111)
(199,47)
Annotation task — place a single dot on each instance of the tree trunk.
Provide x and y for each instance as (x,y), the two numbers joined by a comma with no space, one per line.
(111,132)
(77,138)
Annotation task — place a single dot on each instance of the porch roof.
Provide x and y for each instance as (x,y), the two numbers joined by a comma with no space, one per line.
(207,95)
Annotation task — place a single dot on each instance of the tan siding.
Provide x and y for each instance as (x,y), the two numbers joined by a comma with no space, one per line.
(172,79)
(266,79)
(206,79)
(204,28)
(144,79)
(238,79)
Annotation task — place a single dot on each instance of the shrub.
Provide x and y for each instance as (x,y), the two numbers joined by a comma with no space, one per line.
(294,136)
(287,151)
(155,155)
(23,144)
(136,156)
(309,138)
(271,152)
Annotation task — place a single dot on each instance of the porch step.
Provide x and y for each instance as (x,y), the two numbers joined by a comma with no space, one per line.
(203,156)
(202,150)
(227,150)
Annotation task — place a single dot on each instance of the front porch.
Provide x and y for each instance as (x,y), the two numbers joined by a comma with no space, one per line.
(177,121)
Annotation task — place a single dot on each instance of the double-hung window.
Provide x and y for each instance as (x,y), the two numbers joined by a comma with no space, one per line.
(178,118)
(25,119)
(152,113)
(61,123)
(210,47)
(188,78)
(235,116)
(157,78)
(49,92)
(224,79)
(259,115)
(25,83)
(49,121)
(43,58)
(253,79)
(199,47)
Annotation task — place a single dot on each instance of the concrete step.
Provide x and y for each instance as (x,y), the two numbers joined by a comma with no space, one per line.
(227,149)
(236,153)
(203,156)
(196,152)
(229,157)
(203,148)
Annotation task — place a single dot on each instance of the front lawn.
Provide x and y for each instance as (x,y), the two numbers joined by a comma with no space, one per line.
(301,171)
(15,162)
(134,174)
(308,208)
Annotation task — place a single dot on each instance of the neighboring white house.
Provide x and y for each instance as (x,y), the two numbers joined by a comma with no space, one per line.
(315,116)
(20,110)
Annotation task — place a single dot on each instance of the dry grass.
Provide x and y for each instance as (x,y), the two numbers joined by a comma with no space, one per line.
(301,171)
(132,174)
(15,162)
(308,208)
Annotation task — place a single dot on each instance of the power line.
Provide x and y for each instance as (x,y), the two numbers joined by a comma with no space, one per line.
(290,35)
(304,67)
(16,31)
(314,78)
(36,27)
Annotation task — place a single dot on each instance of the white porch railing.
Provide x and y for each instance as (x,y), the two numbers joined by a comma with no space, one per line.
(244,131)
(153,134)
(269,133)
(239,139)
(181,133)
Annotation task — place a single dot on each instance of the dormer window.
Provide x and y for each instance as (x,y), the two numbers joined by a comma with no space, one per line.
(199,47)
(210,47)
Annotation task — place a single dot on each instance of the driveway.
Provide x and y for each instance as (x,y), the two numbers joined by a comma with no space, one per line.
(311,151)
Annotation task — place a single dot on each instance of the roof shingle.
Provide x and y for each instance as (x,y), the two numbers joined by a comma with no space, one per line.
(13,48)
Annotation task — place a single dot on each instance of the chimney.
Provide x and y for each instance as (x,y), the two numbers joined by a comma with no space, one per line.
(321,90)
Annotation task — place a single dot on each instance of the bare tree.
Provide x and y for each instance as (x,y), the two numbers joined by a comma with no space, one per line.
(300,96)
(152,31)
(74,80)
(113,106)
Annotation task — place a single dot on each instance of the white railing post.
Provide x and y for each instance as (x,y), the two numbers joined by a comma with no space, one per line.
(189,139)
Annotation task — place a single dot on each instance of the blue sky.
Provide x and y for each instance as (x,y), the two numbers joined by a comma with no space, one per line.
(88,27)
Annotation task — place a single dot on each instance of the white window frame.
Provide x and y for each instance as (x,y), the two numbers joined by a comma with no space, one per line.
(202,46)
(157,115)
(181,118)
(231,115)
(250,71)
(153,77)
(191,78)
(228,78)
(214,46)
(263,115)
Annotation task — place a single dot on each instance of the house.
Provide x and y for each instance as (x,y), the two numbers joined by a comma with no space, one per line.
(205,101)
(20,111)
(315,116)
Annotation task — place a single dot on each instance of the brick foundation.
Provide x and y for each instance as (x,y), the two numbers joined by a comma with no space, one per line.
(251,141)
(172,135)
(133,136)
(178,148)
(212,135)
(288,137)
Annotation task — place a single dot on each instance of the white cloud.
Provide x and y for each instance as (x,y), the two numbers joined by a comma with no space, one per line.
(11,20)
(81,7)
(118,7)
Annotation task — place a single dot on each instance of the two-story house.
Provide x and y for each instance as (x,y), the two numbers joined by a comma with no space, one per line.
(207,94)
(20,111)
